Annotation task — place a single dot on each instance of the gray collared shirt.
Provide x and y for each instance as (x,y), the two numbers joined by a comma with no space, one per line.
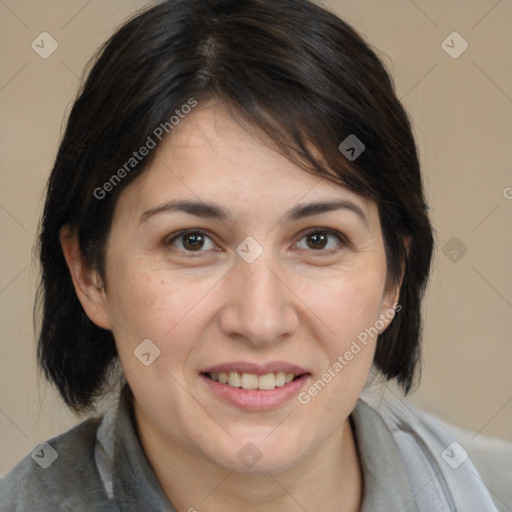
(121,479)
(386,487)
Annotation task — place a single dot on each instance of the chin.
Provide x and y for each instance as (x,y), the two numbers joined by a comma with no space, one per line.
(256,455)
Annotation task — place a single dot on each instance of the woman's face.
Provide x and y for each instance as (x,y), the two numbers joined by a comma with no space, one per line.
(266,283)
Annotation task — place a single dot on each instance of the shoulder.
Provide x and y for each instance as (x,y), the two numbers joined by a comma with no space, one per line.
(438,464)
(60,474)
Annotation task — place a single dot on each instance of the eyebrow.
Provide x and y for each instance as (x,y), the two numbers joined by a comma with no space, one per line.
(307,210)
(213,211)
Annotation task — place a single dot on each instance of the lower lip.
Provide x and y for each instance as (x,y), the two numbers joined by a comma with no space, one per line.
(256,399)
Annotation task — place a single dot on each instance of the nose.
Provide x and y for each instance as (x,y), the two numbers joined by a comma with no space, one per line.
(259,304)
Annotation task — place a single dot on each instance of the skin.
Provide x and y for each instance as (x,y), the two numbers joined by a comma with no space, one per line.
(300,301)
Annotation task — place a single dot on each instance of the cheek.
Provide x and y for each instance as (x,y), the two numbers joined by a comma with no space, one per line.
(346,304)
(152,303)
(138,303)
(348,308)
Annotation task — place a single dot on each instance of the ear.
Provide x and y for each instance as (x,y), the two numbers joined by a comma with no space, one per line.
(87,282)
(389,305)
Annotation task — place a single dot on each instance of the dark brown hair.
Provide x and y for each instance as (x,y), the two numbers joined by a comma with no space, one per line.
(291,69)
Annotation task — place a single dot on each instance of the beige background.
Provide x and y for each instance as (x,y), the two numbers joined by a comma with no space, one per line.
(462,112)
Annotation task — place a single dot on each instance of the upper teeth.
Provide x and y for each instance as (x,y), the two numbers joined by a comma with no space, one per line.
(252,381)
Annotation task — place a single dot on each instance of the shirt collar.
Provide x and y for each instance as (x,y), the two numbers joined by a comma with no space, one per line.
(134,482)
(386,486)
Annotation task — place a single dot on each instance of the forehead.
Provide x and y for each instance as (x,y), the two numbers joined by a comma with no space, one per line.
(214,138)
(211,155)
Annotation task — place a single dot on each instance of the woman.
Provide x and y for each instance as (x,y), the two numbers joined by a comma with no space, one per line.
(235,228)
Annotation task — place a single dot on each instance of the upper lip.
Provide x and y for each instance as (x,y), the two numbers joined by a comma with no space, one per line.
(255,368)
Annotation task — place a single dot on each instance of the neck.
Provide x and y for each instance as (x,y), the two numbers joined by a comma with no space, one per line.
(328,479)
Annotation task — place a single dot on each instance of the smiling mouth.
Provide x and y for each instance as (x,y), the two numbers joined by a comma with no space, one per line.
(248,381)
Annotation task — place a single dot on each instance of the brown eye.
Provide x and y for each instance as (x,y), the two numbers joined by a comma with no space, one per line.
(322,240)
(317,240)
(191,241)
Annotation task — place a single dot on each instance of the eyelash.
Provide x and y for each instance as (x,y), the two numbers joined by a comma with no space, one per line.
(342,240)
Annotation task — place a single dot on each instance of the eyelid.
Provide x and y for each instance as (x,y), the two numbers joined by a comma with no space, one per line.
(169,240)
(343,240)
(321,229)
